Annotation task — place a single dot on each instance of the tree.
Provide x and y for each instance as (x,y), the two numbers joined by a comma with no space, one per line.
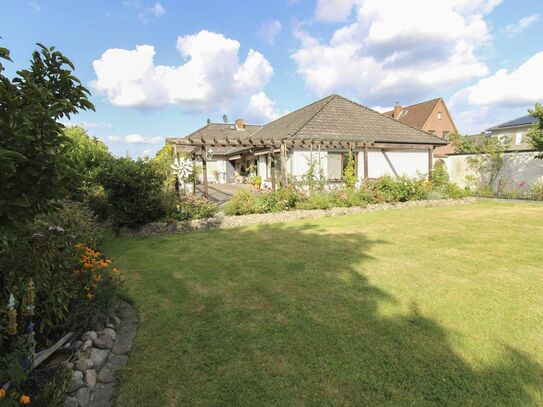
(33,172)
(486,155)
(535,134)
(86,155)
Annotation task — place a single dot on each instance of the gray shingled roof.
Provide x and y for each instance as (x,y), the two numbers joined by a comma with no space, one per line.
(338,118)
(332,118)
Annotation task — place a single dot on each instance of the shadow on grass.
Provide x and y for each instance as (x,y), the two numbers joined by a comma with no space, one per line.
(285,315)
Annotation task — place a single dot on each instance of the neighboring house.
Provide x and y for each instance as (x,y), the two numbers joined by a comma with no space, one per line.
(516,131)
(520,169)
(321,133)
(431,116)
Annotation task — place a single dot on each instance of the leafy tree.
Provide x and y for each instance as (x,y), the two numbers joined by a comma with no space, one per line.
(486,155)
(349,173)
(33,172)
(86,155)
(535,134)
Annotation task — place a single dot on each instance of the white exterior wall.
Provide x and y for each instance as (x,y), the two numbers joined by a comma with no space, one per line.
(520,167)
(298,162)
(402,163)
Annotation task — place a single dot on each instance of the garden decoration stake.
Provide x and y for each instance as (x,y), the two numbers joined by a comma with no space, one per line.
(12,316)
(182,169)
(27,305)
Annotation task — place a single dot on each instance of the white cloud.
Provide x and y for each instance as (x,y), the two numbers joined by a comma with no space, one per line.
(334,10)
(523,86)
(134,139)
(269,30)
(211,77)
(401,50)
(261,109)
(146,13)
(91,125)
(521,24)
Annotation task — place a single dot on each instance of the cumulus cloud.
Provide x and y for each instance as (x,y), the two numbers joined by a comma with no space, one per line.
(269,30)
(521,25)
(134,139)
(401,50)
(261,109)
(211,77)
(334,10)
(523,86)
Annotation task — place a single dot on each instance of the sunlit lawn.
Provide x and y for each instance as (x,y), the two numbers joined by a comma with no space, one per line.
(414,307)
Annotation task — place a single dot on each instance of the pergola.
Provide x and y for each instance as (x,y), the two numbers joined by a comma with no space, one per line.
(202,145)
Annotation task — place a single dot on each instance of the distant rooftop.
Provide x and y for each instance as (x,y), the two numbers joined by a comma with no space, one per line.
(527,120)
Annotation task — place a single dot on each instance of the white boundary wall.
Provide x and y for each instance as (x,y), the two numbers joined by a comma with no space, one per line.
(520,170)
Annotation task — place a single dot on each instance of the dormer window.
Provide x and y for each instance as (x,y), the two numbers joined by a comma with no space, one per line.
(439,116)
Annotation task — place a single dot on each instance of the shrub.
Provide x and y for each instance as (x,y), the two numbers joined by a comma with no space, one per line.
(286,198)
(256,181)
(453,191)
(78,222)
(439,177)
(96,200)
(242,203)
(134,191)
(318,200)
(435,195)
(191,207)
(537,190)
(401,189)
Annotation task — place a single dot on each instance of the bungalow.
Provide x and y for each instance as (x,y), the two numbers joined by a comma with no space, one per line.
(321,134)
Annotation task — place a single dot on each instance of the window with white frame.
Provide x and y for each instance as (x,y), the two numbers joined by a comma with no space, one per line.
(518,137)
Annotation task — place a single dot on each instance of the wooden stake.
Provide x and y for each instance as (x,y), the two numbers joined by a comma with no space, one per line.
(366,171)
(204,170)
(430,161)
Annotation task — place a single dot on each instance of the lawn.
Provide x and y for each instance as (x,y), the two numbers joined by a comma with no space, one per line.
(412,307)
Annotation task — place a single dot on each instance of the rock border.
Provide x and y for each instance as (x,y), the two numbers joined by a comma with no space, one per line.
(99,355)
(227,222)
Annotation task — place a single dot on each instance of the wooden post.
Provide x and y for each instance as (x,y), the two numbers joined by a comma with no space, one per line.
(283,165)
(430,161)
(193,175)
(204,171)
(272,167)
(366,171)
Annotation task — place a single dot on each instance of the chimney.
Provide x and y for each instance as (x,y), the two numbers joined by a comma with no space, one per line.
(240,125)
(397,110)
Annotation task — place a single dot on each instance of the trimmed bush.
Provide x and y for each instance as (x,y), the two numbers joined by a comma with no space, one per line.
(401,189)
(318,200)
(190,207)
(134,191)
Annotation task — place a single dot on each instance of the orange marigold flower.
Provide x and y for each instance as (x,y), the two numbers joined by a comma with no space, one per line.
(115,270)
(2,393)
(24,399)
(97,277)
(87,265)
(90,296)
(108,261)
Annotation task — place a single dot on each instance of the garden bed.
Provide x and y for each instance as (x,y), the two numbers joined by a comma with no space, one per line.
(220,221)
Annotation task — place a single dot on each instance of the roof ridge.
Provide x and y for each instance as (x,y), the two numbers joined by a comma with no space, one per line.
(391,118)
(332,97)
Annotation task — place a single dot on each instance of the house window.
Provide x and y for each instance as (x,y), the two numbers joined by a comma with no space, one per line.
(518,138)
(446,135)
(439,116)
(336,163)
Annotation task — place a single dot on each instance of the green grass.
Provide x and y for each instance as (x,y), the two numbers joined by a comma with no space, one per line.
(414,307)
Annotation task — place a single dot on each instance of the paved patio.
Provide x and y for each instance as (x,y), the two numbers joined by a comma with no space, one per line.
(221,193)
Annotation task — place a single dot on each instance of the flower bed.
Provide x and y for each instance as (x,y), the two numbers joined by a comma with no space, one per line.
(220,221)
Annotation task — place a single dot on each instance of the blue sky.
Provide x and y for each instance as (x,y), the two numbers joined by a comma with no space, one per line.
(160,68)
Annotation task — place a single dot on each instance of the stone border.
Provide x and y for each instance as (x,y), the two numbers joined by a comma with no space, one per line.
(227,222)
(99,355)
